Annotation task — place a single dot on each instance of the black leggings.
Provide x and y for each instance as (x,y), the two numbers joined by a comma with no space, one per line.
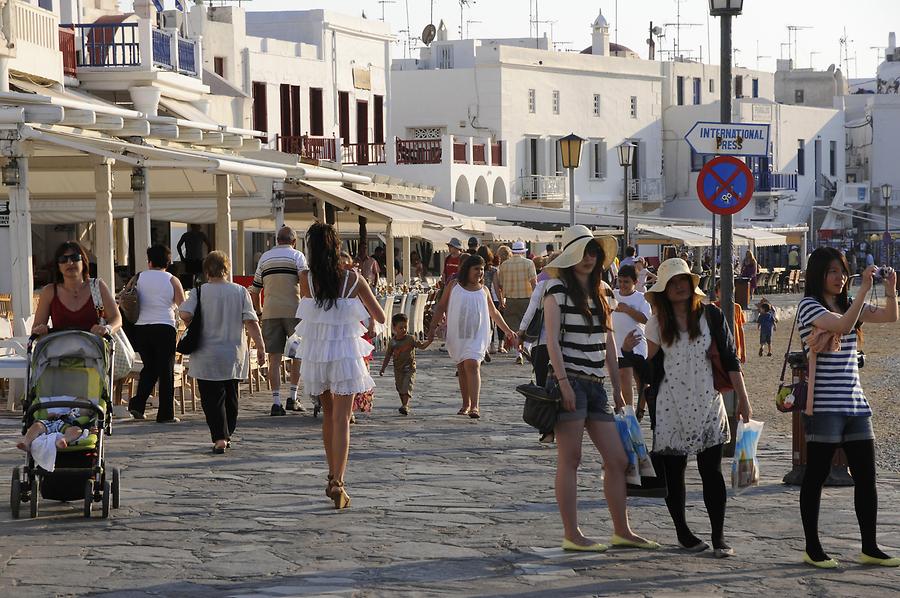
(709,462)
(861,458)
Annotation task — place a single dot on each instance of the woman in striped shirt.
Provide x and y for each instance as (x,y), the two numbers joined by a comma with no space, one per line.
(579,342)
(841,414)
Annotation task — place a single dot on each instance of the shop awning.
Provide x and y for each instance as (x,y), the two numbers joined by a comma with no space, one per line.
(499,233)
(404,222)
(439,216)
(662,235)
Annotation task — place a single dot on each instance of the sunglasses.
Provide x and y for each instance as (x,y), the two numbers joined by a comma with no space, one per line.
(69,257)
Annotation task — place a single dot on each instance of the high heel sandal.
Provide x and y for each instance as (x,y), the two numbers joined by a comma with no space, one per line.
(339,496)
(329,489)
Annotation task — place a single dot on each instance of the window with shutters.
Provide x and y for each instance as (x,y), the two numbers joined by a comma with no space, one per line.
(634,107)
(532,101)
(445,57)
(260,110)
(596,104)
(316,115)
(598,158)
(555,101)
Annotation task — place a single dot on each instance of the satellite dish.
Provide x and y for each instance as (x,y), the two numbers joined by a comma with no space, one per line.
(428,34)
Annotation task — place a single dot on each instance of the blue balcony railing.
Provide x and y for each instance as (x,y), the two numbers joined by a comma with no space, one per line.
(186,63)
(108,45)
(774,181)
(162,49)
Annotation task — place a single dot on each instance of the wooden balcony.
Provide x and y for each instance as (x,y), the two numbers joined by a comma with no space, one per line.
(67,48)
(309,147)
(362,154)
(419,151)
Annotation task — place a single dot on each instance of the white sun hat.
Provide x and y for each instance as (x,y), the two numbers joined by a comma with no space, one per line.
(668,270)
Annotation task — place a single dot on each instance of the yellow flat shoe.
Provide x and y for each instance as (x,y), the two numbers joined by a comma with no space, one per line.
(826,564)
(621,542)
(572,546)
(865,559)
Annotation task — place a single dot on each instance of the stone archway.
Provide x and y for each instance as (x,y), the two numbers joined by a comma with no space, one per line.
(500,197)
(481,192)
(463,194)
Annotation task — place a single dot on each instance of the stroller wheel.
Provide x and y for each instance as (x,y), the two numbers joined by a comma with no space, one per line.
(116,487)
(35,492)
(105,498)
(15,493)
(88,497)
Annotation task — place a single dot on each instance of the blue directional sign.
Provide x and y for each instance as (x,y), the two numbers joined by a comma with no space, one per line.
(725,185)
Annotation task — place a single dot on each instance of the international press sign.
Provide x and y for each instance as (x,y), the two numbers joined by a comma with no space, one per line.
(734,139)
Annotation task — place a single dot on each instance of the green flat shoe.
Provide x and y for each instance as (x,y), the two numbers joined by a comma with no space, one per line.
(865,559)
(826,564)
(573,547)
(620,542)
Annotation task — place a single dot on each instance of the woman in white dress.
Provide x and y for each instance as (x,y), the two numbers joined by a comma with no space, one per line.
(469,310)
(689,412)
(333,304)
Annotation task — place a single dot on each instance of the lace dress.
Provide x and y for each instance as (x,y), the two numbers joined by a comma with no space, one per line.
(468,324)
(331,347)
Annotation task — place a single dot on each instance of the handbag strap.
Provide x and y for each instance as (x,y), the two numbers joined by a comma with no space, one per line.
(790,341)
(97,299)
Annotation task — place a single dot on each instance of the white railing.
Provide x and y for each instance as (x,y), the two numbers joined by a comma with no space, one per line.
(36,26)
(645,189)
(537,187)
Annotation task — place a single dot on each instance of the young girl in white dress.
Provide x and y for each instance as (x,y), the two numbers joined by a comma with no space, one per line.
(333,304)
(469,310)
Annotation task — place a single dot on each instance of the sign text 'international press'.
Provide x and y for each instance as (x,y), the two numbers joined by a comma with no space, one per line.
(735,139)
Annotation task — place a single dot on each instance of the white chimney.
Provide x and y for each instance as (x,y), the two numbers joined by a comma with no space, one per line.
(600,36)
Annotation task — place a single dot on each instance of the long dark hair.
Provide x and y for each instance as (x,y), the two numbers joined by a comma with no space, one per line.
(595,290)
(665,315)
(324,246)
(817,269)
(63,248)
(468,263)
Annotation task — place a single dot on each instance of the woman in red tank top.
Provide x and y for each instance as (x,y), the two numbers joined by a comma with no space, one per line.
(68,300)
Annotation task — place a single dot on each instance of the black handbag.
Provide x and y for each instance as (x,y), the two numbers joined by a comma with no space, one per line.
(541,405)
(190,340)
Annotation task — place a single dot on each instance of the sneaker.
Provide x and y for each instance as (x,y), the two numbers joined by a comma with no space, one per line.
(290,405)
(173,420)
(404,410)
(136,414)
(277,410)
(352,419)
(760,351)
(298,407)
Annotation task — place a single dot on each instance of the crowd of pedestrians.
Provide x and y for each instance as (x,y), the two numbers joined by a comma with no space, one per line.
(601,334)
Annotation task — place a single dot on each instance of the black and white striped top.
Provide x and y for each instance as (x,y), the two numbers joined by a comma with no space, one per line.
(583,351)
(837,386)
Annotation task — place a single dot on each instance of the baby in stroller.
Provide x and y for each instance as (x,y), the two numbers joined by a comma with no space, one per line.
(65,425)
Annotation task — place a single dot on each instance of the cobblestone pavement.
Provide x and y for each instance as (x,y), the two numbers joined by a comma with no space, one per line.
(442,505)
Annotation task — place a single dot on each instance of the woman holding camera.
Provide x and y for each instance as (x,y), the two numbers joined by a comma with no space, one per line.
(841,415)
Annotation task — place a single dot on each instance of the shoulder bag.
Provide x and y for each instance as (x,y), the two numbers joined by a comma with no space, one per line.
(129,303)
(123,352)
(542,404)
(190,339)
(792,396)
(721,379)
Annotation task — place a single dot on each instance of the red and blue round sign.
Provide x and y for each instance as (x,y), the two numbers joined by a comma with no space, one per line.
(725,185)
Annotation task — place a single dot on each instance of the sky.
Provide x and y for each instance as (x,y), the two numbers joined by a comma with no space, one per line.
(762,25)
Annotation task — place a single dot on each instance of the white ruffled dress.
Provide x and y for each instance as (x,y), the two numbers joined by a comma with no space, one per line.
(331,347)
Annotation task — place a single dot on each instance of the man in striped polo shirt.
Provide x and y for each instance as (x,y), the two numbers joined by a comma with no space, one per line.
(278,277)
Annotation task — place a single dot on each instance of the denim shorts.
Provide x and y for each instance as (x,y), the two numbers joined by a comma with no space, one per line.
(591,402)
(833,428)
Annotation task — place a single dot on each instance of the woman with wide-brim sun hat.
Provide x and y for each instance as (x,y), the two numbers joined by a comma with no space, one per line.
(579,342)
(689,415)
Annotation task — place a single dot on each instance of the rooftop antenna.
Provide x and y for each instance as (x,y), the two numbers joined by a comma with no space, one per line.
(469,22)
(734,52)
(655,32)
(547,22)
(845,43)
(781,52)
(879,55)
(463,4)
(758,55)
(811,54)
(676,42)
(795,29)
(533,16)
(382,3)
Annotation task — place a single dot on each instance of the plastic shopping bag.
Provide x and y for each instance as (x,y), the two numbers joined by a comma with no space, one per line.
(745,467)
(632,472)
(292,346)
(645,465)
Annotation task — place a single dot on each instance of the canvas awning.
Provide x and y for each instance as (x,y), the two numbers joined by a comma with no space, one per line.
(404,222)
(499,233)
(662,235)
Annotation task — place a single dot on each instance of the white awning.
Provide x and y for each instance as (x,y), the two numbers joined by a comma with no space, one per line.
(743,236)
(507,233)
(662,235)
(404,222)
(438,216)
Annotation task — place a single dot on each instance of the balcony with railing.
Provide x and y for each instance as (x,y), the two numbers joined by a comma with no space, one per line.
(646,190)
(419,151)
(774,181)
(34,36)
(363,154)
(67,49)
(133,46)
(543,189)
(309,147)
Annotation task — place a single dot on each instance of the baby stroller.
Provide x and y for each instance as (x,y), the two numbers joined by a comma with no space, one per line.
(69,372)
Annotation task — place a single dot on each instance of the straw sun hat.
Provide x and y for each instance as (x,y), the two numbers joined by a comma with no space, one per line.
(574,240)
(668,270)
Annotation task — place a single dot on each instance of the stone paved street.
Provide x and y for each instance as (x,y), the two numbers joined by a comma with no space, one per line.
(442,505)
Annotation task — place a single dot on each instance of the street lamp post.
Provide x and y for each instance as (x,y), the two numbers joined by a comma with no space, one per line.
(626,157)
(570,151)
(726,9)
(886,191)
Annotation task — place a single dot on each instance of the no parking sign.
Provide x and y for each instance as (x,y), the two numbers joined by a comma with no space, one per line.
(725,185)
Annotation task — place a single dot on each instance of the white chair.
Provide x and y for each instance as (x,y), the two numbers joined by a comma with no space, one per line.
(419,315)
(382,331)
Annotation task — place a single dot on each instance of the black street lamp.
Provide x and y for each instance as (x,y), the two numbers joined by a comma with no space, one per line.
(570,152)
(626,158)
